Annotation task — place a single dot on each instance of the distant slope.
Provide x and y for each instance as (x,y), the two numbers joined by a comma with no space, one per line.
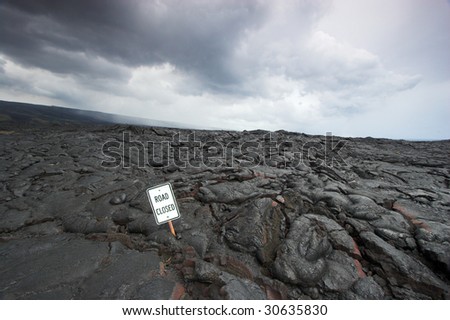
(26,113)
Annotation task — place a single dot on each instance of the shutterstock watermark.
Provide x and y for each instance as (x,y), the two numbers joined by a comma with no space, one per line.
(188,151)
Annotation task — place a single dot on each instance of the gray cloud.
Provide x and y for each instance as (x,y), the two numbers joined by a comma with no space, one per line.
(237,64)
(196,36)
(2,65)
(225,45)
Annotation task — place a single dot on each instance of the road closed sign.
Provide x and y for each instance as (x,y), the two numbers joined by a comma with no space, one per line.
(163,202)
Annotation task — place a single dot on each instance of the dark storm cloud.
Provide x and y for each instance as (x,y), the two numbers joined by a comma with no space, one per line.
(67,36)
(231,64)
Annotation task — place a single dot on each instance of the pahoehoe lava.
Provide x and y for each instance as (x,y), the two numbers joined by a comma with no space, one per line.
(375,226)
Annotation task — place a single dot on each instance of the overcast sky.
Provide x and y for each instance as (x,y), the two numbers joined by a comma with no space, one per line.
(376,68)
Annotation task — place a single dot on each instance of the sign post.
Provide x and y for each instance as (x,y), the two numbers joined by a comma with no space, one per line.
(172,229)
(164,205)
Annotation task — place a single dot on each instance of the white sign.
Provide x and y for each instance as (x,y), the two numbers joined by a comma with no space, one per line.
(163,202)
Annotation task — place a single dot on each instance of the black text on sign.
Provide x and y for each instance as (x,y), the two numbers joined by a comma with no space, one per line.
(163,203)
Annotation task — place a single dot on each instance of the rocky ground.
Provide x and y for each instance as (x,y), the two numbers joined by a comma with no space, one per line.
(288,216)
